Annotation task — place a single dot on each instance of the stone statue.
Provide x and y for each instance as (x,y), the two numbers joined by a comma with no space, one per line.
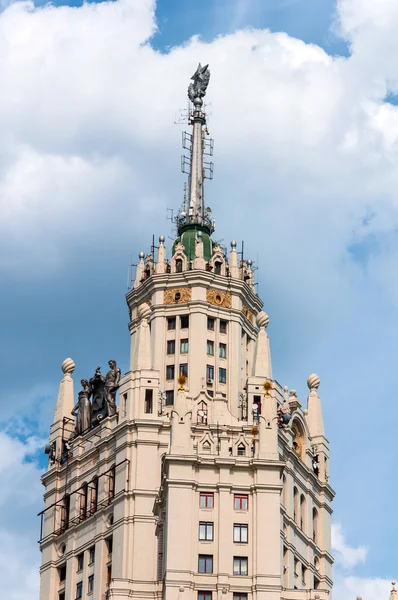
(83,408)
(99,406)
(112,379)
(197,89)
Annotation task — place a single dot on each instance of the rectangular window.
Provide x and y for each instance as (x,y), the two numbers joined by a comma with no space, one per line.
(205,563)
(171,323)
(209,372)
(91,555)
(61,596)
(206,529)
(257,404)
(222,375)
(62,573)
(169,372)
(223,326)
(90,587)
(210,323)
(148,408)
(109,545)
(184,347)
(238,596)
(206,500)
(184,369)
(169,397)
(171,346)
(223,351)
(184,321)
(204,595)
(108,574)
(240,565)
(79,590)
(240,533)
(210,347)
(80,562)
(240,501)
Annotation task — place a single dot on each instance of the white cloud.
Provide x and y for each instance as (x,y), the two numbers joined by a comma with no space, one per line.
(306,162)
(346,556)
(20,501)
(350,588)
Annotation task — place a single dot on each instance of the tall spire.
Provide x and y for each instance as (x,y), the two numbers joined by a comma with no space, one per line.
(194,211)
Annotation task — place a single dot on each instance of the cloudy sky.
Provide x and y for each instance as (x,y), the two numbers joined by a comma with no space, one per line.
(304,112)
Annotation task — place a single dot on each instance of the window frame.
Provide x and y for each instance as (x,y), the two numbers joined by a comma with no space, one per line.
(182,322)
(169,394)
(239,596)
(170,370)
(79,588)
(208,527)
(90,584)
(80,562)
(223,326)
(239,527)
(148,401)
(212,322)
(184,346)
(222,379)
(223,347)
(210,345)
(91,555)
(241,498)
(206,496)
(205,595)
(171,344)
(209,372)
(207,559)
(241,560)
(183,369)
(171,323)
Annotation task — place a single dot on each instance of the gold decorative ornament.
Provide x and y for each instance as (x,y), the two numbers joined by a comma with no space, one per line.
(254,430)
(177,295)
(267,387)
(219,298)
(248,313)
(181,382)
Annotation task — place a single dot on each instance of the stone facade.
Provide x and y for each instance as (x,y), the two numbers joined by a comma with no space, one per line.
(211,482)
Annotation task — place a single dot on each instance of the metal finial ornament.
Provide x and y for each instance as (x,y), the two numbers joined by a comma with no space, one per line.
(197,89)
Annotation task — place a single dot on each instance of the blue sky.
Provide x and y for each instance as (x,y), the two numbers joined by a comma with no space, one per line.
(306,163)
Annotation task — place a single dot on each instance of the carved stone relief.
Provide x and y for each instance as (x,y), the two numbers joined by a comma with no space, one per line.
(219,298)
(177,295)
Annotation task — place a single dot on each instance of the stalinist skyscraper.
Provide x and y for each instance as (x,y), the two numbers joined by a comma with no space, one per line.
(195,475)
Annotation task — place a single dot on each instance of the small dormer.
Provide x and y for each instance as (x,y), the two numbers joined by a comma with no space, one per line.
(217,261)
(179,262)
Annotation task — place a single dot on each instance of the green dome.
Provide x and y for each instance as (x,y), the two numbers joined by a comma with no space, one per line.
(188,239)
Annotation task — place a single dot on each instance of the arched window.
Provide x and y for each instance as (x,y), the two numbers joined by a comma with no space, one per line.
(284,495)
(111,483)
(295,505)
(83,495)
(65,511)
(315,525)
(302,512)
(298,438)
(93,495)
(178,265)
(217,268)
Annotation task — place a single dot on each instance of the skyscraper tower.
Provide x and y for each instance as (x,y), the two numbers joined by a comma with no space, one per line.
(208,481)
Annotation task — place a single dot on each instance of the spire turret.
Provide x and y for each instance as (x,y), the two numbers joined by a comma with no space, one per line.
(193,212)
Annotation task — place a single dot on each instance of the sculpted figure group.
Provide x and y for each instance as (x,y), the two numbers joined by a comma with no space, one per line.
(97,399)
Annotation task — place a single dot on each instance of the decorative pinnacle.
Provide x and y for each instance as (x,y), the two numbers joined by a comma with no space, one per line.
(197,89)
(313,382)
(68,366)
